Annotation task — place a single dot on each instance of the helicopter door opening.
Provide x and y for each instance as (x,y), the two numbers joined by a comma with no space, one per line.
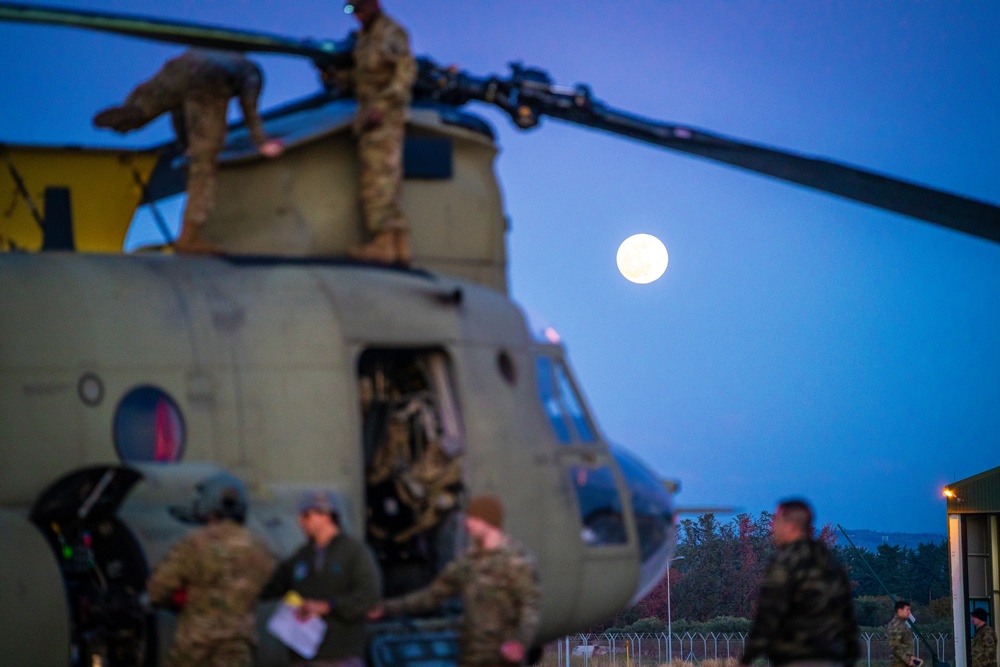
(413,449)
(103,567)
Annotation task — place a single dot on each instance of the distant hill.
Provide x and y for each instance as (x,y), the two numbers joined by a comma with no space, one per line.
(871,539)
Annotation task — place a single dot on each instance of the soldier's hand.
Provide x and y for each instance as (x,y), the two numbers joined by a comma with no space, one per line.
(375,613)
(373,119)
(328,75)
(512,651)
(311,608)
(272,148)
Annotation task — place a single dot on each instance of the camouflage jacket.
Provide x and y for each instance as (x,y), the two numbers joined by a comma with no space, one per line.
(984,647)
(900,642)
(500,601)
(384,71)
(804,611)
(204,74)
(221,569)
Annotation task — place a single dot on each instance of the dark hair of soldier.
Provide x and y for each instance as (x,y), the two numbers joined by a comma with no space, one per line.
(798,512)
(901,604)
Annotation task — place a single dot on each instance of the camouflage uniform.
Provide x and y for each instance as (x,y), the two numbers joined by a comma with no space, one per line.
(984,647)
(221,569)
(195,88)
(900,642)
(804,612)
(382,78)
(500,600)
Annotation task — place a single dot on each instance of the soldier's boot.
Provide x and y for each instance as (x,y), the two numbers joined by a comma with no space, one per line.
(380,250)
(121,119)
(190,242)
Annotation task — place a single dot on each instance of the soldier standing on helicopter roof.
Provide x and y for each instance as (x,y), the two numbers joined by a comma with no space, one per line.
(195,88)
(382,80)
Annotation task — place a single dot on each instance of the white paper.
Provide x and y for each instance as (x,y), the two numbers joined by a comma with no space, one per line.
(303,637)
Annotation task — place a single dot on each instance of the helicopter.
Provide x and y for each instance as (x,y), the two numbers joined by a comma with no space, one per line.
(236,381)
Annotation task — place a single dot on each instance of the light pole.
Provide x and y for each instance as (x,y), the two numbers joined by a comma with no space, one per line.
(670,629)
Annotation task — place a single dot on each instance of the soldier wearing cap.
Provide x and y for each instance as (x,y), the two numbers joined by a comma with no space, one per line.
(337,577)
(382,81)
(212,578)
(984,642)
(195,88)
(497,582)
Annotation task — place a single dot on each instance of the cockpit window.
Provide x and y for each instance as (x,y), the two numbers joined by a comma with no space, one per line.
(574,405)
(562,404)
(651,504)
(550,401)
(148,427)
(600,505)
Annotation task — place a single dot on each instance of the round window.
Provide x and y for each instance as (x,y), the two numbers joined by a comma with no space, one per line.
(148,427)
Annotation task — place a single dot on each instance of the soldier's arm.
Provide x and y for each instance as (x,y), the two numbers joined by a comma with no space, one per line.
(531,599)
(170,575)
(447,585)
(396,49)
(263,564)
(253,81)
(772,609)
(364,593)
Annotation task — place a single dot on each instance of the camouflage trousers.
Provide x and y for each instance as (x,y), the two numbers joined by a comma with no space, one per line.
(232,653)
(199,118)
(380,154)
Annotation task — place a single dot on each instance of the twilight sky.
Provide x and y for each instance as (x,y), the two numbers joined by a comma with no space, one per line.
(798,344)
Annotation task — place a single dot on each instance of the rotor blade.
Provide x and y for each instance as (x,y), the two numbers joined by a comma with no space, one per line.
(917,201)
(177,32)
(529,93)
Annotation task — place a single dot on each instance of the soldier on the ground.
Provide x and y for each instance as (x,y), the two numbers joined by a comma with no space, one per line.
(984,642)
(212,578)
(901,638)
(338,579)
(195,88)
(497,582)
(804,613)
(382,81)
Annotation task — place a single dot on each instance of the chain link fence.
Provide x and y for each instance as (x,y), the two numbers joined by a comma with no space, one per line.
(713,649)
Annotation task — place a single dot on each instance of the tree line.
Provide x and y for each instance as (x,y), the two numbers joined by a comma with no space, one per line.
(718,567)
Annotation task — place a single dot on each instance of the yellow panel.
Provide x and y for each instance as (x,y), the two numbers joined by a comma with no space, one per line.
(103,193)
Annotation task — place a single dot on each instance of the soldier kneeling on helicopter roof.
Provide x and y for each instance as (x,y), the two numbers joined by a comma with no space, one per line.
(212,578)
(195,88)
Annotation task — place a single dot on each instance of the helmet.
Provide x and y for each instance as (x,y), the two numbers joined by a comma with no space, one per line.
(221,495)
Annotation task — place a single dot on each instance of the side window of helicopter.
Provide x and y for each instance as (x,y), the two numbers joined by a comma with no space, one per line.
(148,427)
(413,444)
(600,506)
(562,403)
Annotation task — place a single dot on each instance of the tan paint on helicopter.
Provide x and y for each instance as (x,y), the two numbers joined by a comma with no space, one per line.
(306,203)
(261,359)
(31,633)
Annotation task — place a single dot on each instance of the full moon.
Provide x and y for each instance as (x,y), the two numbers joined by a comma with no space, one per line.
(642,258)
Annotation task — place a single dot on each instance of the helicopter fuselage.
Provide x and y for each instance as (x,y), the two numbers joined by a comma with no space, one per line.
(166,368)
